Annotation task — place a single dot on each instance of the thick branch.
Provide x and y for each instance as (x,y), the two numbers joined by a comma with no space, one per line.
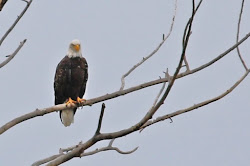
(61,151)
(10,57)
(46,160)
(16,21)
(41,112)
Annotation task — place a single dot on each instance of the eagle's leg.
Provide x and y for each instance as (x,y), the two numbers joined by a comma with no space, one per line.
(80,101)
(70,101)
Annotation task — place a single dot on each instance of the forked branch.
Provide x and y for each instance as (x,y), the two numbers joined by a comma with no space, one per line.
(109,147)
(195,106)
(162,88)
(98,150)
(11,56)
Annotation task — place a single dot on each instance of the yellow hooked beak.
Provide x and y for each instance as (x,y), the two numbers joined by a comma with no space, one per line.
(77,47)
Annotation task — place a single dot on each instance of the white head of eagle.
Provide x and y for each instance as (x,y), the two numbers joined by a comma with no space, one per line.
(70,81)
(74,49)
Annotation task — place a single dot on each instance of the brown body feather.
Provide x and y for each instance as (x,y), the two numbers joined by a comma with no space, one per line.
(70,79)
(2,3)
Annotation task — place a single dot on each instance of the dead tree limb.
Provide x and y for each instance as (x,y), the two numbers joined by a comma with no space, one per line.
(98,150)
(109,147)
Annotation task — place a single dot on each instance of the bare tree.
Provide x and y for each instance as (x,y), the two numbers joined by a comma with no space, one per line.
(83,149)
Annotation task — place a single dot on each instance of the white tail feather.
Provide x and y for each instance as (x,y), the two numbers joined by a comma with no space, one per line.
(67,117)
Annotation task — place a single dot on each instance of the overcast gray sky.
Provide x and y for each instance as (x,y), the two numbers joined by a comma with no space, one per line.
(115,35)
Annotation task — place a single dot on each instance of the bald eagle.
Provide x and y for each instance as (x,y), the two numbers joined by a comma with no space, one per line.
(70,81)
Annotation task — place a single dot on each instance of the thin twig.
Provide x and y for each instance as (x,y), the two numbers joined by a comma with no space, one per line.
(162,88)
(109,147)
(100,120)
(16,21)
(152,53)
(186,63)
(188,32)
(13,54)
(41,112)
(237,36)
(201,104)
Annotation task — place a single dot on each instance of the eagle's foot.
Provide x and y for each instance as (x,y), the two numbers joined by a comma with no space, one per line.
(80,101)
(70,102)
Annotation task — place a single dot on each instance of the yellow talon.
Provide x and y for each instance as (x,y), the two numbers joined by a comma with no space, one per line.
(70,101)
(80,101)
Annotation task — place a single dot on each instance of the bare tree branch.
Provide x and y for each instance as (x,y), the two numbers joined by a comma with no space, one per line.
(10,57)
(237,36)
(162,88)
(109,147)
(16,21)
(159,94)
(98,150)
(61,150)
(51,158)
(151,54)
(41,112)
(215,59)
(201,104)
(46,160)
(100,120)
(186,63)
